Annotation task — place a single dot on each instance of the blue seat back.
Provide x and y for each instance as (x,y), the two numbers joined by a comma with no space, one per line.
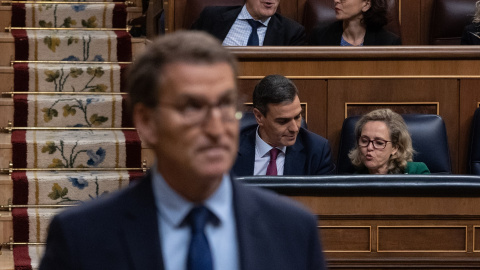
(429,139)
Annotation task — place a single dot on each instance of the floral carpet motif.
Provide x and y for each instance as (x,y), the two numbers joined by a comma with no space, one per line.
(59,77)
(99,111)
(61,188)
(76,149)
(68,45)
(79,15)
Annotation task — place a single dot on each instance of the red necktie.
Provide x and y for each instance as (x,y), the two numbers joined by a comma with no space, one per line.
(272,166)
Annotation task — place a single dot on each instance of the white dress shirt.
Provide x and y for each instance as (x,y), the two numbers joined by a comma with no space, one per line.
(175,235)
(262,157)
(240,30)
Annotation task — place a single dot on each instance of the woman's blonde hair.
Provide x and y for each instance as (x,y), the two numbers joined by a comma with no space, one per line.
(399,136)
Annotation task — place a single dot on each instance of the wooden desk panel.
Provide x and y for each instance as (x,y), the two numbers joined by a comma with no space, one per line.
(398,232)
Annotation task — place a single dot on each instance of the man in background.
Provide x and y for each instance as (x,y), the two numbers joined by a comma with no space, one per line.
(278,145)
(256,23)
(187,212)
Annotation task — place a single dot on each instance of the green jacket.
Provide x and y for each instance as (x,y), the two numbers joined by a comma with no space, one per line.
(412,168)
(416,168)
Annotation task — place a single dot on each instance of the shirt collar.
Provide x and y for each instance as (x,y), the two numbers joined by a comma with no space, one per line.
(174,208)
(245,15)
(264,148)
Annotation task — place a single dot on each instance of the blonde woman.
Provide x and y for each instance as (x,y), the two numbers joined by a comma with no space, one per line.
(384,145)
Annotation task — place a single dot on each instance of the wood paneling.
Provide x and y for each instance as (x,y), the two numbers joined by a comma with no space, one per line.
(403,232)
(443,91)
(421,239)
(311,92)
(346,238)
(426,8)
(476,238)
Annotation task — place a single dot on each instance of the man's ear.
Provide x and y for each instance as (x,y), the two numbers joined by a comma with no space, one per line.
(143,119)
(258,116)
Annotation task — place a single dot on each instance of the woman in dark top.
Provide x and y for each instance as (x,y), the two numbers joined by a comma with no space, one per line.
(360,23)
(471,32)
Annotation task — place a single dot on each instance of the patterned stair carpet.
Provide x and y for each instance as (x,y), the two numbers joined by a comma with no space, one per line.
(73,77)
(30,226)
(76,149)
(106,15)
(74,80)
(99,111)
(67,45)
(51,188)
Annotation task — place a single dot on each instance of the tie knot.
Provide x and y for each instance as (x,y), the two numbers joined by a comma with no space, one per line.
(254,24)
(198,218)
(274,153)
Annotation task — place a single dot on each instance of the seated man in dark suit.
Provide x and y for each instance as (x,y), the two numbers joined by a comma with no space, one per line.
(254,24)
(279,145)
(187,212)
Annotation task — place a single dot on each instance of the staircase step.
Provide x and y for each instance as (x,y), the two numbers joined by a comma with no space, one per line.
(6,260)
(7,47)
(6,228)
(81,15)
(6,77)
(67,45)
(6,109)
(6,191)
(66,188)
(70,77)
(76,149)
(31,224)
(6,14)
(98,111)
(147,154)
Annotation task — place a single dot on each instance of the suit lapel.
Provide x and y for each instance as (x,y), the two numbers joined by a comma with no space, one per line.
(245,162)
(140,228)
(294,158)
(271,36)
(228,18)
(251,241)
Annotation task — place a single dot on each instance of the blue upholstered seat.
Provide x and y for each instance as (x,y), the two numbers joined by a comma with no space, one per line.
(429,138)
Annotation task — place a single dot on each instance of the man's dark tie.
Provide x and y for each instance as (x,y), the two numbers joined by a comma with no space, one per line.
(199,255)
(272,166)
(253,38)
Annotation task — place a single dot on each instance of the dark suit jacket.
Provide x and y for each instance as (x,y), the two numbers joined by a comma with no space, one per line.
(121,232)
(310,155)
(331,35)
(281,31)
(468,38)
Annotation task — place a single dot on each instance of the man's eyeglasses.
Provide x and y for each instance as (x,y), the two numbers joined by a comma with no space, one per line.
(196,111)
(364,141)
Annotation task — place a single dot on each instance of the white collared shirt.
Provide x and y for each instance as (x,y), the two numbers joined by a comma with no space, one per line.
(262,157)
(175,236)
(240,30)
